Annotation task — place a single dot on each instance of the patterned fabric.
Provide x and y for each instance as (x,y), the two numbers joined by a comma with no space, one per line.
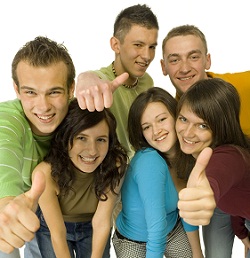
(177,245)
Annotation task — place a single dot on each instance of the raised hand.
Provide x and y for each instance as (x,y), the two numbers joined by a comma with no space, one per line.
(18,221)
(196,201)
(94,93)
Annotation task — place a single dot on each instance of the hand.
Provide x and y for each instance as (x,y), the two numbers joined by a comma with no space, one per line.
(94,93)
(246,243)
(196,202)
(18,221)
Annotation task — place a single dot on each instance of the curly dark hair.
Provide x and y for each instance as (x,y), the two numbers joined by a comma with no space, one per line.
(77,120)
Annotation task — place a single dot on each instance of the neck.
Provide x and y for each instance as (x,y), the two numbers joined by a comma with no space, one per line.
(125,85)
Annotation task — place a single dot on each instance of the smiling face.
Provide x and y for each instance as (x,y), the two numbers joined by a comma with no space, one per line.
(90,147)
(193,133)
(158,127)
(135,53)
(44,95)
(185,61)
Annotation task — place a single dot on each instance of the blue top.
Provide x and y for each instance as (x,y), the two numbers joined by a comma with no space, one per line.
(149,202)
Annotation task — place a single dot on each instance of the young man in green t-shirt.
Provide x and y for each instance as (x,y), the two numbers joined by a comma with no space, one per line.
(43,76)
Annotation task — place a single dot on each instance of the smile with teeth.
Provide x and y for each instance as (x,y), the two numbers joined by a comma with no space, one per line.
(87,159)
(161,138)
(189,142)
(143,64)
(44,117)
(186,78)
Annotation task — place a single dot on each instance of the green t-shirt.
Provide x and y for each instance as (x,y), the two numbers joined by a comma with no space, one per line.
(122,101)
(20,149)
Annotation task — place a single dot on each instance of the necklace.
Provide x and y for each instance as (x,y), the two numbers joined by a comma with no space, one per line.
(124,85)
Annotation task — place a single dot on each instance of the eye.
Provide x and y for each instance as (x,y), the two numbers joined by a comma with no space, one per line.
(102,139)
(81,138)
(146,127)
(204,126)
(182,119)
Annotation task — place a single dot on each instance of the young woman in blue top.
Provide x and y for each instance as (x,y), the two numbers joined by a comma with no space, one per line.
(148,224)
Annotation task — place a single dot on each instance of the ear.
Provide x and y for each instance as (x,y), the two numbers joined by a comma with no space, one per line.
(208,62)
(163,67)
(16,90)
(72,90)
(115,44)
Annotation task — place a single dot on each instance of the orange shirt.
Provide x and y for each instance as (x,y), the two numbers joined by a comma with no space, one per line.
(241,81)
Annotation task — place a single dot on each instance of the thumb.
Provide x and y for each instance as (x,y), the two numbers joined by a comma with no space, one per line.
(37,188)
(118,81)
(198,172)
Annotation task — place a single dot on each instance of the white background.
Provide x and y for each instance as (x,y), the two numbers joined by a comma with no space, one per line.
(85,27)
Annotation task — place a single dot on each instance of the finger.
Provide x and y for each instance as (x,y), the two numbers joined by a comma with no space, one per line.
(87,95)
(81,100)
(199,169)
(6,247)
(118,81)
(37,188)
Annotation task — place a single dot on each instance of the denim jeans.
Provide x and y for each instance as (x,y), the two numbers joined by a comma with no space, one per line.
(218,236)
(79,238)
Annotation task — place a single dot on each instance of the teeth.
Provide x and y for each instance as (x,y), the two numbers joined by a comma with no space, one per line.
(189,142)
(87,159)
(186,78)
(161,138)
(44,117)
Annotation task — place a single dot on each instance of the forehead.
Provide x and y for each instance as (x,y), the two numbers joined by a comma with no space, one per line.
(143,34)
(154,109)
(42,76)
(181,45)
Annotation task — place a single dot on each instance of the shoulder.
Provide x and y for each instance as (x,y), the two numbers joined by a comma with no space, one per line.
(148,158)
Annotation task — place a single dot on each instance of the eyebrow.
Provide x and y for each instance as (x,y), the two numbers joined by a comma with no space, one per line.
(51,89)
(189,53)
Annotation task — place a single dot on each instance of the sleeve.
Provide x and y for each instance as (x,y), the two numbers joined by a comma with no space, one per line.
(152,188)
(239,228)
(225,169)
(188,227)
(11,156)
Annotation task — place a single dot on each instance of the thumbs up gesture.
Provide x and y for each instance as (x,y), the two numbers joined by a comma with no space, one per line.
(18,221)
(94,93)
(196,201)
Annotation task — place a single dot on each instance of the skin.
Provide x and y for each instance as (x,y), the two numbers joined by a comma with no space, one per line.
(44,96)
(158,127)
(185,61)
(90,147)
(135,53)
(89,150)
(132,58)
(193,133)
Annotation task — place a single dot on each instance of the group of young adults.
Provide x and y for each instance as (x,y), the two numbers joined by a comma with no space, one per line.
(139,134)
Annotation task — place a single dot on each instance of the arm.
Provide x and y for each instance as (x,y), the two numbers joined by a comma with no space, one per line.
(102,223)
(18,221)
(95,93)
(196,202)
(52,212)
(151,177)
(194,240)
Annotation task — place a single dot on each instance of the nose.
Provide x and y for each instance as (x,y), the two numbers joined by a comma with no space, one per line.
(156,130)
(189,131)
(92,148)
(147,55)
(185,66)
(44,104)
